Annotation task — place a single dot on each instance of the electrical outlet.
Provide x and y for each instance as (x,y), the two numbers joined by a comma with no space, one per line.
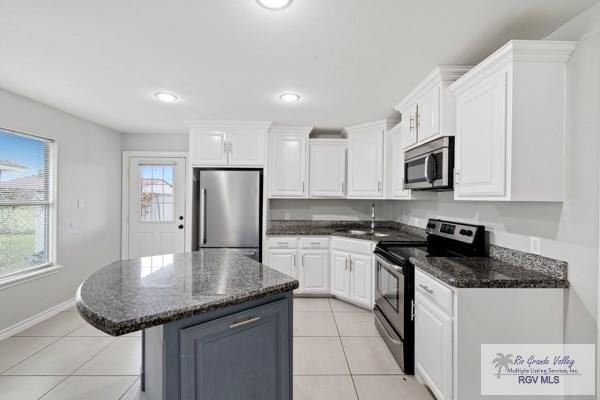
(535,245)
(286,216)
(80,204)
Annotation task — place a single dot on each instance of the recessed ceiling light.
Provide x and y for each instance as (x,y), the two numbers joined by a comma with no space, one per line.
(274,4)
(166,97)
(289,97)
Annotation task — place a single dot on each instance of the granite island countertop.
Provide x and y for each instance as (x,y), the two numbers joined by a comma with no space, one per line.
(507,269)
(393,230)
(135,294)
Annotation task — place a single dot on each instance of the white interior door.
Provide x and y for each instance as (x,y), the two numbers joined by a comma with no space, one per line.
(156,205)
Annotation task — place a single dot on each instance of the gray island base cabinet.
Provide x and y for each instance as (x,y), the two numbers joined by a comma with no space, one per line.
(243,352)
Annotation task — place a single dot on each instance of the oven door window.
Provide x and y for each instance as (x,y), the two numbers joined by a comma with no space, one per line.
(388,285)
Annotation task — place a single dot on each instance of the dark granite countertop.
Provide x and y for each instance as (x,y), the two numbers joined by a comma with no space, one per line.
(130,295)
(393,230)
(487,272)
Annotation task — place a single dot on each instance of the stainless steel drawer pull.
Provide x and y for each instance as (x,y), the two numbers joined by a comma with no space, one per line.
(283,243)
(426,288)
(244,322)
(315,243)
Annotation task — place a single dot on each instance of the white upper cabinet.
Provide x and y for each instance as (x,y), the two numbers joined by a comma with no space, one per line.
(327,167)
(428,111)
(510,118)
(208,148)
(366,159)
(227,143)
(288,161)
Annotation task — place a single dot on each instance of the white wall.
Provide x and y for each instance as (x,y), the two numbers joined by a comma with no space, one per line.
(155,142)
(89,168)
(328,209)
(569,230)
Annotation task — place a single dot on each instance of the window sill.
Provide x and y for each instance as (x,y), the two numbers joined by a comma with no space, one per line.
(28,276)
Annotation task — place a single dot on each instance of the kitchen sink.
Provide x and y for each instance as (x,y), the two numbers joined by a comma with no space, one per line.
(357,232)
(361,232)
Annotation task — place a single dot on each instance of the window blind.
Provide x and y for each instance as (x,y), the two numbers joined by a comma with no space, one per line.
(25,202)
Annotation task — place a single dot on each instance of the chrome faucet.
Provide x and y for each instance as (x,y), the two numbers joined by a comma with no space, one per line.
(372,216)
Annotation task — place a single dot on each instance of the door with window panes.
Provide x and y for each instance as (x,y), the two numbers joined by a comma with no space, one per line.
(156,206)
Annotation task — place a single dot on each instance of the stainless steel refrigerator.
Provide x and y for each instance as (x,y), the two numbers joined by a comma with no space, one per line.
(230,210)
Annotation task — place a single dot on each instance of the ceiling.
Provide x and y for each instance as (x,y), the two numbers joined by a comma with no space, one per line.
(350,60)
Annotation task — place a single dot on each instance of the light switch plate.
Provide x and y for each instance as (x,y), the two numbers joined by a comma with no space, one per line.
(80,204)
(535,245)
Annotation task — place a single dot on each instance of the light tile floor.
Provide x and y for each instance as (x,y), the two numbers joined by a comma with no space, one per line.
(338,354)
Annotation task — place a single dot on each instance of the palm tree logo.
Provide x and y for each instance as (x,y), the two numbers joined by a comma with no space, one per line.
(502,361)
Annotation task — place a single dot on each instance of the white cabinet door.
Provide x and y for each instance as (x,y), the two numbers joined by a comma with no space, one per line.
(327,169)
(361,272)
(428,114)
(340,276)
(409,123)
(481,139)
(397,170)
(365,163)
(433,347)
(208,148)
(246,148)
(287,160)
(314,271)
(283,260)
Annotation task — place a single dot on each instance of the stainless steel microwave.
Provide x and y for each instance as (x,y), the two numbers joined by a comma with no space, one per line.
(430,166)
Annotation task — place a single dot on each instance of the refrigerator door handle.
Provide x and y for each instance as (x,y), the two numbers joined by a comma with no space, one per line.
(202,216)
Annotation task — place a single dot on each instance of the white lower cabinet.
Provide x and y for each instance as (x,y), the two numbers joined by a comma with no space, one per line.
(340,278)
(452,323)
(306,260)
(314,272)
(433,347)
(343,269)
(352,271)
(361,271)
(283,260)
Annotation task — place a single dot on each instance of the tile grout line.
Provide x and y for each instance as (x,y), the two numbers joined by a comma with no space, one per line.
(344,351)
(32,354)
(129,388)
(65,377)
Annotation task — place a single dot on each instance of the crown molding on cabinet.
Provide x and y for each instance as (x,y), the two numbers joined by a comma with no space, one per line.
(542,51)
(220,125)
(441,74)
(386,123)
(291,130)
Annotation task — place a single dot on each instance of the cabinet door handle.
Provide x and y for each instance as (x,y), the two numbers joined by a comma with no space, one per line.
(411,123)
(418,120)
(244,322)
(350,263)
(225,147)
(379,186)
(456,175)
(426,288)
(346,264)
(302,186)
(230,147)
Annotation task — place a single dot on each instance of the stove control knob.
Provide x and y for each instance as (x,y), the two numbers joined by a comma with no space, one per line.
(466,232)
(431,225)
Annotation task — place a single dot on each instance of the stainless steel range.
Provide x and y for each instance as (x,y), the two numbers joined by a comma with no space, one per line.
(394,280)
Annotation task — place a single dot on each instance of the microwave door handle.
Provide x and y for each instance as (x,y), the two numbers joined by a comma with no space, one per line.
(427,178)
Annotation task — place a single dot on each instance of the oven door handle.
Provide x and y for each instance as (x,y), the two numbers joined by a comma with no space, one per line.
(386,264)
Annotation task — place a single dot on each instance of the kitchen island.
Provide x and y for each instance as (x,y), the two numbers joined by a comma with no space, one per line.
(216,324)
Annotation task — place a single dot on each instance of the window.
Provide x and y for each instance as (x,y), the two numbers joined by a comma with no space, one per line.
(25,202)
(156,193)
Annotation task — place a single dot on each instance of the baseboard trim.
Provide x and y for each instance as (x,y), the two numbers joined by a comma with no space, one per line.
(36,319)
